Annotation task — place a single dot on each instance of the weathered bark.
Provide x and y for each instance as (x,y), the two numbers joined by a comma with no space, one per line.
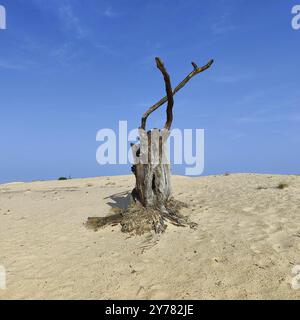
(152,170)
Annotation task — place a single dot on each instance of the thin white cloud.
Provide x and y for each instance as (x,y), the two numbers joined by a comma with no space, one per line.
(63,11)
(71,21)
(110,13)
(74,29)
(16,65)
(65,53)
(107,50)
(223,25)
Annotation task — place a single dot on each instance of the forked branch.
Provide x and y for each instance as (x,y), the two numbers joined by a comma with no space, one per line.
(196,71)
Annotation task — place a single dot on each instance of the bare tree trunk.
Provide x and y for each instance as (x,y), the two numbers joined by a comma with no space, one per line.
(152,192)
(152,172)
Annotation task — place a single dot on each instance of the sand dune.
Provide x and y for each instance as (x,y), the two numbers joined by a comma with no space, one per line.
(245,246)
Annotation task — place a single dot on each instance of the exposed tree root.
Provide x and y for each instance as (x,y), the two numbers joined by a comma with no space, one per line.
(138,220)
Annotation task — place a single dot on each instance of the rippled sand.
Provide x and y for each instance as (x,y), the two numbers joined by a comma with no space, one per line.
(245,246)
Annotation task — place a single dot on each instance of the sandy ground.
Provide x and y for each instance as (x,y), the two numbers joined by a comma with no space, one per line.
(245,246)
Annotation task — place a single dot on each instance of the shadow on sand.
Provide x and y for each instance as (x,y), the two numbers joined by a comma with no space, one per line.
(120,200)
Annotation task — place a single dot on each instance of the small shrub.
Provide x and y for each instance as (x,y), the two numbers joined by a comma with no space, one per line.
(282,185)
(62,178)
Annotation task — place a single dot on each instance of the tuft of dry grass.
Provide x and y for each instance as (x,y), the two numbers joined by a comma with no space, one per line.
(282,185)
(261,188)
(89,185)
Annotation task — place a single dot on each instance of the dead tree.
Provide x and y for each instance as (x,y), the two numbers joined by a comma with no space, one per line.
(153,177)
(152,203)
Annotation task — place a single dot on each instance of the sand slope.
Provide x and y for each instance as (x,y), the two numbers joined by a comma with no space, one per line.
(246,244)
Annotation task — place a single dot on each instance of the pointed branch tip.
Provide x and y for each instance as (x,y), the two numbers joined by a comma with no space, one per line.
(194,65)
(159,62)
(211,62)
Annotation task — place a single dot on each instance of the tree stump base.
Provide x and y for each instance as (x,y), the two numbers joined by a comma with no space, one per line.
(137,219)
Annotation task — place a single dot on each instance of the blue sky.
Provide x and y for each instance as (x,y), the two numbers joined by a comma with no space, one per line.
(71,67)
